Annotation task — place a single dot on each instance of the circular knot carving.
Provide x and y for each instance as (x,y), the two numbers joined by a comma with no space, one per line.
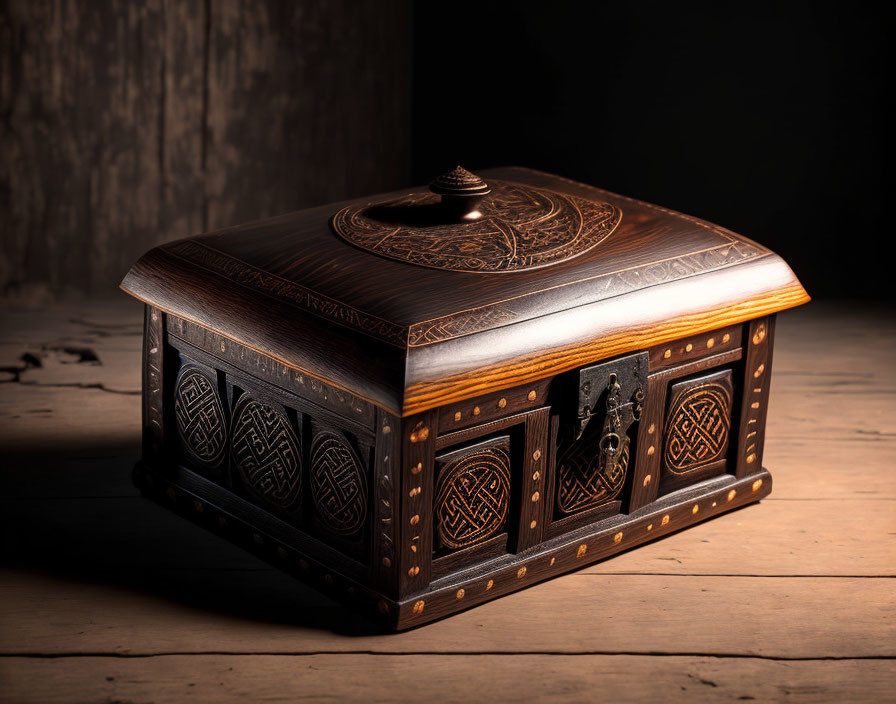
(266,452)
(517,227)
(698,427)
(338,483)
(200,417)
(472,498)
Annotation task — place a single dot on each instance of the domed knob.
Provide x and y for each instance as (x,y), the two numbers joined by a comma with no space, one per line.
(461,192)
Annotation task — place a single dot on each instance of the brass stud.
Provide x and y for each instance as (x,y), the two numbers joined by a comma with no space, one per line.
(759,335)
(535,497)
(521,572)
(536,455)
(490,584)
(758,372)
(711,342)
(457,416)
(417,468)
(651,450)
(553,560)
(617,538)
(420,433)
(414,571)
(757,484)
(695,508)
(651,428)
(387,562)
(754,405)
(536,475)
(476,410)
(460,593)
(416,491)
(665,520)
(649,527)
(751,458)
(386,430)
(714,504)
(502,403)
(383,606)
(418,607)
(732,494)
(582,550)
(532,525)
(413,548)
(667,354)
(532,395)
(415,519)
(725,338)
(688,347)
(646,480)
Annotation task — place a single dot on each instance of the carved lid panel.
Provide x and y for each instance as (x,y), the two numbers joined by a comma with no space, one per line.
(513,228)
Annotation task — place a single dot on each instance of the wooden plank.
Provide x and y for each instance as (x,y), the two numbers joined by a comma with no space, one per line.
(198,611)
(398,678)
(768,539)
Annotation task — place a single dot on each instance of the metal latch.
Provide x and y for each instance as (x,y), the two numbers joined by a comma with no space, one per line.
(613,391)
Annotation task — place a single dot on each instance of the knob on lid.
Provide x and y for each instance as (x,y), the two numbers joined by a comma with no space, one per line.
(461,192)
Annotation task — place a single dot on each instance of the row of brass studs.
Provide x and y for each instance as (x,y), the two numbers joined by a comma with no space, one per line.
(502,403)
(710,343)
(419,434)
(758,337)
(582,549)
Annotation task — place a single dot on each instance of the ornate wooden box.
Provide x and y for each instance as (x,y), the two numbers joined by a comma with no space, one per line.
(431,398)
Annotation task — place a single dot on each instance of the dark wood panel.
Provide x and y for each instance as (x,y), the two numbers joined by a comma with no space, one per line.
(759,340)
(129,124)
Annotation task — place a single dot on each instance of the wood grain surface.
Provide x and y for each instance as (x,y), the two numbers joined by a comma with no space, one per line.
(130,124)
(107,597)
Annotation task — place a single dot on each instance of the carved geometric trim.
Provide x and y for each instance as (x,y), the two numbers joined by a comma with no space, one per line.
(338,483)
(472,497)
(276,286)
(199,417)
(521,227)
(698,424)
(266,452)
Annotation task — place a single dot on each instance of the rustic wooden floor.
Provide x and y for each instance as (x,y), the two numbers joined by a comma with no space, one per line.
(107,597)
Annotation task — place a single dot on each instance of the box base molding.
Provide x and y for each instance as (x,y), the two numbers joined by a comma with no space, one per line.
(230,516)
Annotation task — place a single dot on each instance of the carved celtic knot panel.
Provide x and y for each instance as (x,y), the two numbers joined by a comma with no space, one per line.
(472,497)
(338,483)
(584,480)
(200,417)
(521,227)
(266,452)
(699,423)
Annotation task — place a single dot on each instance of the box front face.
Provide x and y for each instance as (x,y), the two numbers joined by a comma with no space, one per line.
(409,507)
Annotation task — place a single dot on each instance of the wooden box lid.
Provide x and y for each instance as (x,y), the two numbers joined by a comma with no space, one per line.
(411,302)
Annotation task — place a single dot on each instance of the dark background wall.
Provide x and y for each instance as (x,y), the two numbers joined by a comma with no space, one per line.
(767,118)
(124,124)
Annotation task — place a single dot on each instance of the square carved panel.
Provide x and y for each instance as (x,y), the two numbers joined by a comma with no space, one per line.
(698,425)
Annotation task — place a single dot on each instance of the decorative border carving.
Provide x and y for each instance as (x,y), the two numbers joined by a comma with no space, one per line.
(241,272)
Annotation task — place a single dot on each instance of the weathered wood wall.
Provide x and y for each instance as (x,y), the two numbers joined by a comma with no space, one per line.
(125,124)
